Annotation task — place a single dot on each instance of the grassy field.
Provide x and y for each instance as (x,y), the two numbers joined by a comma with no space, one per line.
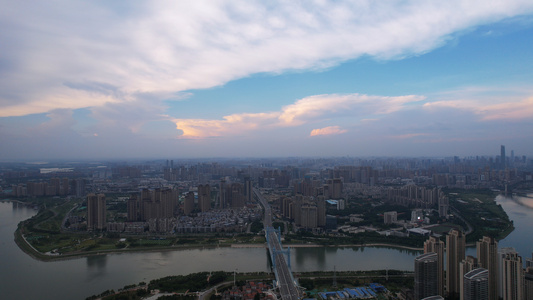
(482,212)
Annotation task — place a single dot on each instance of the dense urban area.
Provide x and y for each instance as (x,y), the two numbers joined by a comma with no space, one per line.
(429,204)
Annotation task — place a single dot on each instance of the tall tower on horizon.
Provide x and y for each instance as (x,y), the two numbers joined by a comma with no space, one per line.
(502,156)
(455,253)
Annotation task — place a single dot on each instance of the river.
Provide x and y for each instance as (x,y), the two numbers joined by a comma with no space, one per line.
(22,277)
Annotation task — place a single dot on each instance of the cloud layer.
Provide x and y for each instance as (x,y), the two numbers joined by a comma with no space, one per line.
(307,110)
(122,52)
(114,78)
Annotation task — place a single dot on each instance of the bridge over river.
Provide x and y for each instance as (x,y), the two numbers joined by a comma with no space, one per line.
(288,287)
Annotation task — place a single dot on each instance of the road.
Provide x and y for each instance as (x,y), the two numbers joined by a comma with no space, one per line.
(287,287)
(267,219)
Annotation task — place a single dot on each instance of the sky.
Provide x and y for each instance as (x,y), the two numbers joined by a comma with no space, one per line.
(193,79)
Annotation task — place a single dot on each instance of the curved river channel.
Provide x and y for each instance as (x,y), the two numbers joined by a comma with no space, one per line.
(22,277)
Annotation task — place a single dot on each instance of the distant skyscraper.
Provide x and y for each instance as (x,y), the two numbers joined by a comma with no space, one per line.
(476,284)
(502,156)
(96,212)
(487,255)
(435,245)
(455,253)
(426,270)
(513,277)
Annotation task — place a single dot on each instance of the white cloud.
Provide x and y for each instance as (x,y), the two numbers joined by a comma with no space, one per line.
(54,53)
(307,110)
(488,103)
(330,130)
(311,107)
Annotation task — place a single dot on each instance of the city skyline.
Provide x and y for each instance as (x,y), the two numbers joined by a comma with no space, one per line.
(249,79)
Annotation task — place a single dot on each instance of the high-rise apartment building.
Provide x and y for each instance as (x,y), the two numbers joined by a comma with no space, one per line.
(513,277)
(466,265)
(435,245)
(222,194)
(455,253)
(96,212)
(133,209)
(248,189)
(204,197)
(64,187)
(476,284)
(80,187)
(334,187)
(55,184)
(309,217)
(487,255)
(236,196)
(390,217)
(444,206)
(529,262)
(188,204)
(528,283)
(426,270)
(321,211)
(502,252)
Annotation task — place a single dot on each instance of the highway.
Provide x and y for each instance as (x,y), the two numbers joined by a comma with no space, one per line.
(288,289)
(267,220)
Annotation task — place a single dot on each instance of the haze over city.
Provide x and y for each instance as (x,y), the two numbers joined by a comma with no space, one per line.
(103,79)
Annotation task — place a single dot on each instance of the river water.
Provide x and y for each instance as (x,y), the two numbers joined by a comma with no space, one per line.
(22,277)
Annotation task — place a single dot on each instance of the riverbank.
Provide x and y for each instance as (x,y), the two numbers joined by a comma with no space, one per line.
(332,246)
(27,248)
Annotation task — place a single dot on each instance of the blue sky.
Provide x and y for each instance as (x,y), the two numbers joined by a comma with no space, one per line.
(172,79)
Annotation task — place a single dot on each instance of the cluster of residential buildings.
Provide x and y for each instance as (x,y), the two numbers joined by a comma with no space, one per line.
(231,220)
(496,273)
(53,187)
(162,211)
(250,291)
(364,292)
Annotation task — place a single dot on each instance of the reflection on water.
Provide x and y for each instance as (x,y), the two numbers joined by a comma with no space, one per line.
(520,211)
(306,254)
(96,261)
(96,267)
(526,201)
